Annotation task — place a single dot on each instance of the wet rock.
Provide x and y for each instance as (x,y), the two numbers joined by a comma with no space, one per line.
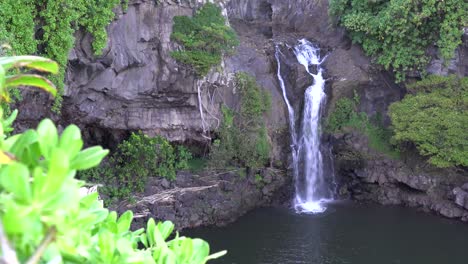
(396,182)
(457,65)
(461,196)
(205,203)
(165,184)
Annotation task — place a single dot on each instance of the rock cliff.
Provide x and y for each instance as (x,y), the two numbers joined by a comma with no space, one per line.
(194,200)
(366,174)
(137,85)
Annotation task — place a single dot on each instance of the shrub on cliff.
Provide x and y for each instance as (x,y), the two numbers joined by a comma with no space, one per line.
(243,139)
(434,117)
(44,216)
(205,38)
(47,27)
(345,115)
(136,159)
(399,32)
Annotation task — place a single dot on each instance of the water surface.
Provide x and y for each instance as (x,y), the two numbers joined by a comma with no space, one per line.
(346,233)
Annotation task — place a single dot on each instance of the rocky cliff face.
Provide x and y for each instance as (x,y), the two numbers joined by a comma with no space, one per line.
(137,85)
(372,176)
(368,175)
(205,199)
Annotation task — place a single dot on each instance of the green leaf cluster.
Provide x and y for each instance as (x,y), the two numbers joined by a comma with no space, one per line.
(434,117)
(46,27)
(45,214)
(42,206)
(136,159)
(345,116)
(399,32)
(243,138)
(205,38)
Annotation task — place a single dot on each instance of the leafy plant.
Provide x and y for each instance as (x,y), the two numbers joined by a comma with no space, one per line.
(345,115)
(243,138)
(183,157)
(197,165)
(434,118)
(45,218)
(259,180)
(136,159)
(205,38)
(46,27)
(399,32)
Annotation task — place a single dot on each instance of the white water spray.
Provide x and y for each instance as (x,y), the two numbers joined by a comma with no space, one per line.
(312,190)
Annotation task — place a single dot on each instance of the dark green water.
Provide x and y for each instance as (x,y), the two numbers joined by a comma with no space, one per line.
(346,233)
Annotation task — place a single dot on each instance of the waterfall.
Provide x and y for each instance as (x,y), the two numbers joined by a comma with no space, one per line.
(312,190)
(292,118)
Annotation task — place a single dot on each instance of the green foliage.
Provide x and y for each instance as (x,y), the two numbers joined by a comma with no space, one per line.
(205,38)
(243,138)
(345,115)
(43,207)
(259,180)
(197,165)
(399,32)
(46,27)
(47,218)
(183,156)
(135,160)
(9,81)
(434,117)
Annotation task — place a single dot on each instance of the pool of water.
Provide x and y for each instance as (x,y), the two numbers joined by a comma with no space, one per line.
(347,233)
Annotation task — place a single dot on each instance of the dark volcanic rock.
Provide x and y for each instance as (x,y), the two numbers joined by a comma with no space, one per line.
(372,176)
(458,65)
(206,199)
(136,84)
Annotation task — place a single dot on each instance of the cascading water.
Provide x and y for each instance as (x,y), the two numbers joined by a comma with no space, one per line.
(292,117)
(312,190)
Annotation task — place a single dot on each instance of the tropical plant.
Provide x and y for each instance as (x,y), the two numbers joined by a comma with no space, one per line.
(137,158)
(399,32)
(434,117)
(46,27)
(345,115)
(243,138)
(44,215)
(205,38)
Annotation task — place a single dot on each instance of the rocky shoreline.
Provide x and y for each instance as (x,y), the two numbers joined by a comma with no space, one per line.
(206,199)
(367,175)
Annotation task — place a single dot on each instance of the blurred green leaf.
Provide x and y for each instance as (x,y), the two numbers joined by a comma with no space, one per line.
(33,80)
(47,137)
(71,141)
(125,221)
(32,62)
(57,172)
(14,178)
(88,158)
(23,142)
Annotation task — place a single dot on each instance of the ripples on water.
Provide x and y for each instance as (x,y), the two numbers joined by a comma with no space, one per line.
(345,234)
